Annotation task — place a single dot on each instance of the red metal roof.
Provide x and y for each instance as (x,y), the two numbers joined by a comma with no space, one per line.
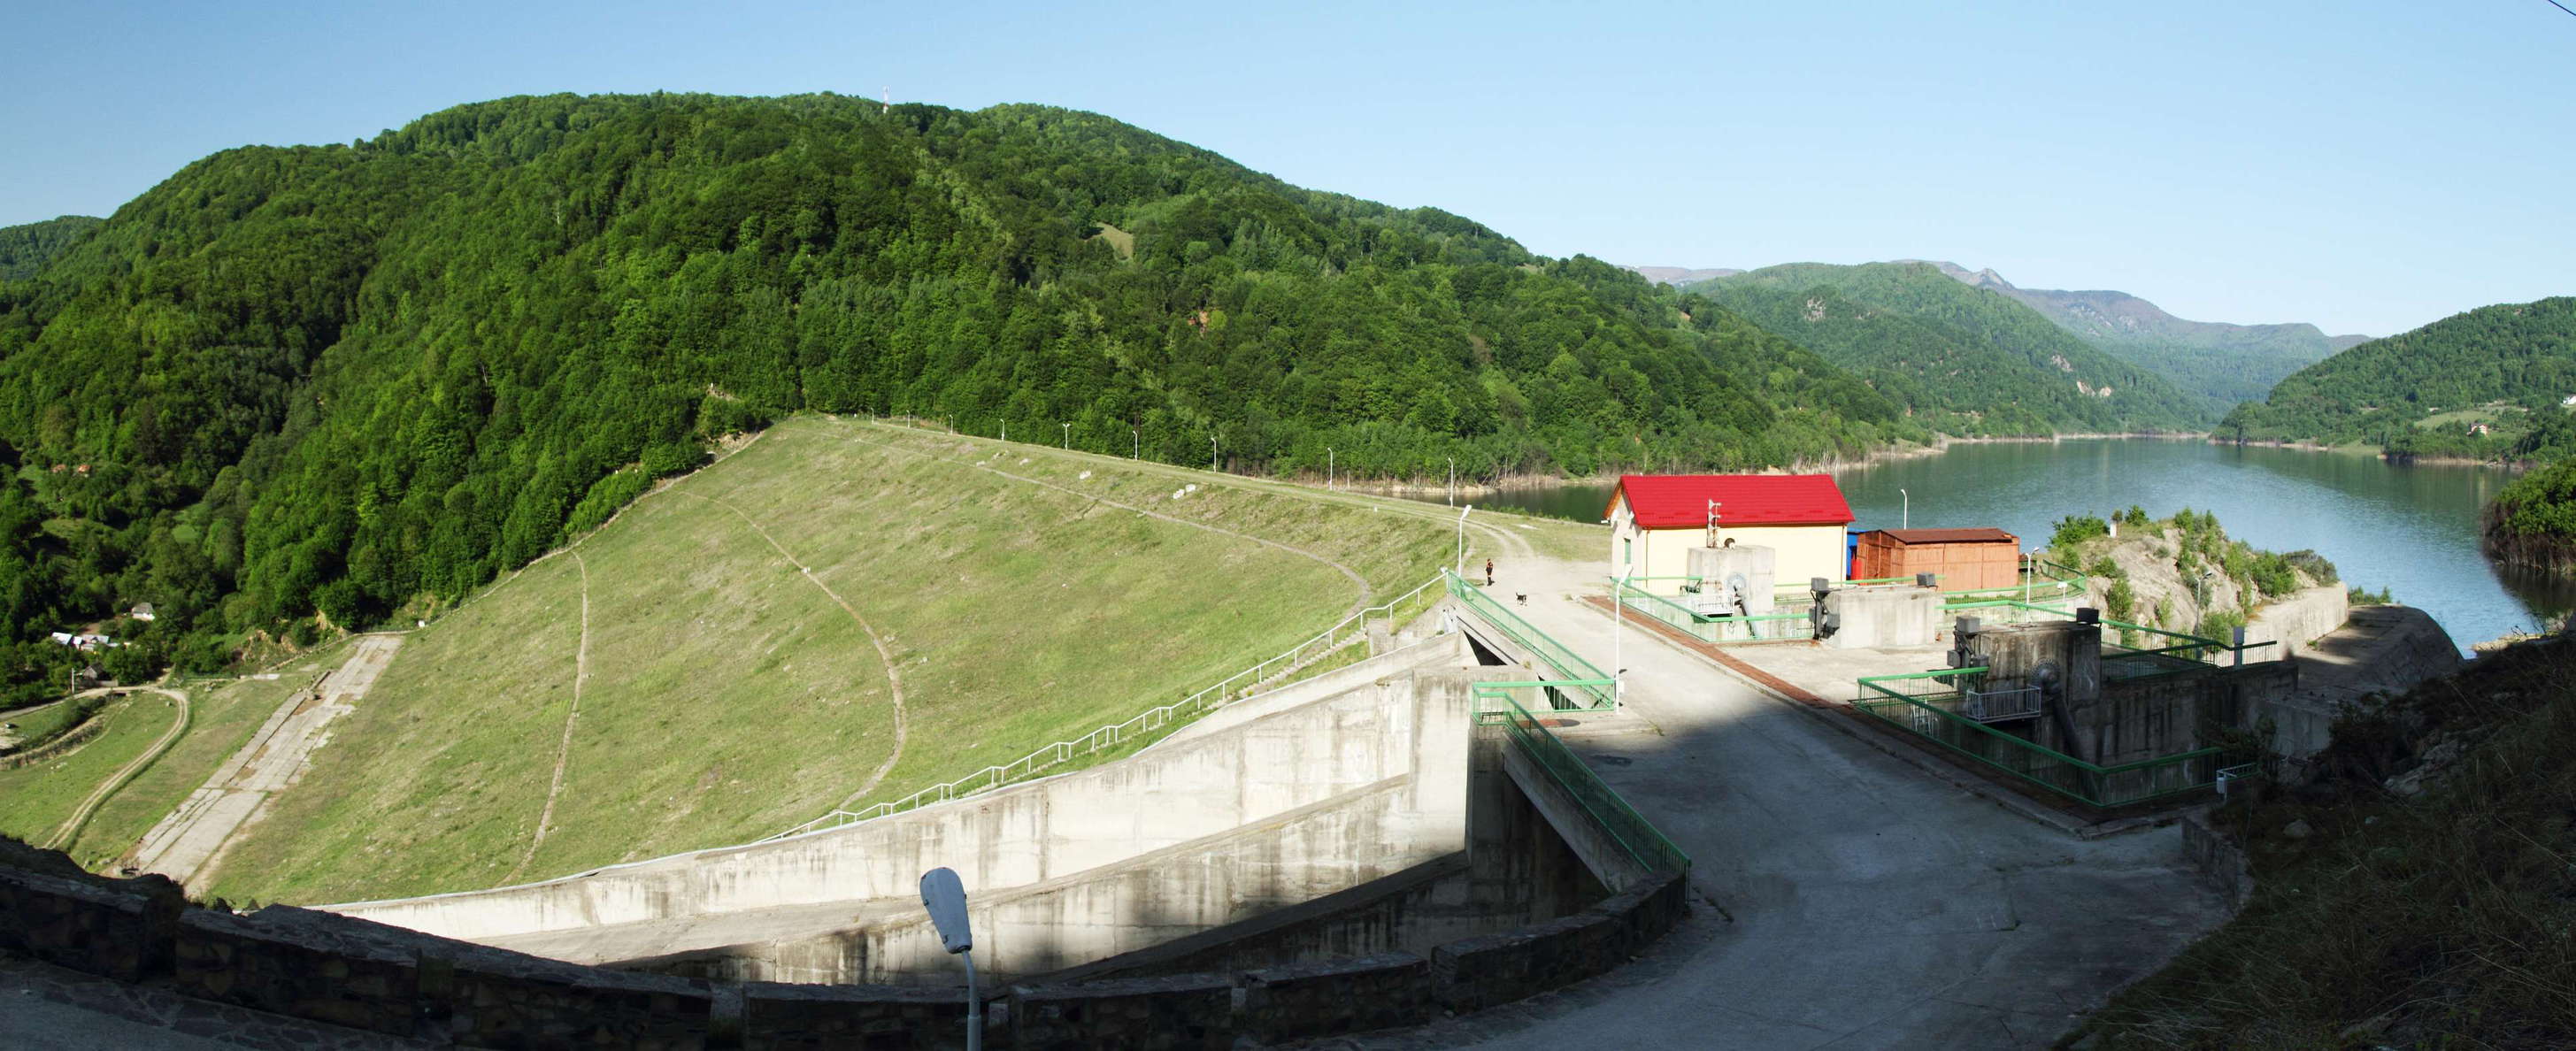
(1983,535)
(1676,501)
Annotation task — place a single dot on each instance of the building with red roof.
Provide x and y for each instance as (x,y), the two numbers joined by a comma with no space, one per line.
(1655,519)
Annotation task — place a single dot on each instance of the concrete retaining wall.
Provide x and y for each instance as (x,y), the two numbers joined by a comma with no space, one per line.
(1340,748)
(1448,650)
(2296,622)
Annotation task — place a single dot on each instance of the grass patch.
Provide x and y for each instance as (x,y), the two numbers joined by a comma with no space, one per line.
(1119,240)
(225,715)
(36,726)
(729,697)
(35,799)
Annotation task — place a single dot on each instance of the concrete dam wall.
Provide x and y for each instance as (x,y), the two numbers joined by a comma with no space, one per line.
(1304,801)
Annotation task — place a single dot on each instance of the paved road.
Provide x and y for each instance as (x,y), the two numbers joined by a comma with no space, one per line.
(1844,898)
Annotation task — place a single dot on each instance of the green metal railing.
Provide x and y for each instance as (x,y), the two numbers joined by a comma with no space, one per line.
(1308,657)
(1573,672)
(1791,617)
(1923,703)
(1496,700)
(1763,627)
(2180,653)
(1638,838)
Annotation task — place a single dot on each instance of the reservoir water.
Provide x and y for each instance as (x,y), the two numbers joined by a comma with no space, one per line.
(2411,529)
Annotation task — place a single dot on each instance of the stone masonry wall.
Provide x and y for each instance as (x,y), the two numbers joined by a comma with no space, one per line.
(349,972)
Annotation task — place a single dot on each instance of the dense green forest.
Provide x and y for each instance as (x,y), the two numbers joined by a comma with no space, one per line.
(26,249)
(339,378)
(2485,384)
(1964,360)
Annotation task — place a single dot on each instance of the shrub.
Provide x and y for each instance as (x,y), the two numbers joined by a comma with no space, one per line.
(2122,599)
(2220,624)
(612,492)
(2312,564)
(2273,575)
(2076,529)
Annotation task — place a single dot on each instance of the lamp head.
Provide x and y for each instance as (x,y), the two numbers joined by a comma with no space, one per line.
(944,896)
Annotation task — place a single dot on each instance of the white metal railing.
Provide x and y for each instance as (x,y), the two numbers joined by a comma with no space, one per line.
(1215,696)
(1987,706)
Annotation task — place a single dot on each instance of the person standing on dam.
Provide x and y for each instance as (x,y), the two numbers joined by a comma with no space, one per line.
(1489,572)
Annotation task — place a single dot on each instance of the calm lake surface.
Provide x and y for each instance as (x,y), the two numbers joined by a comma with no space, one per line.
(2410,529)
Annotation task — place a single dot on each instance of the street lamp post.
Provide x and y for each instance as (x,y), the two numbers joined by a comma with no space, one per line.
(1462,538)
(1135,444)
(1068,437)
(1453,479)
(944,897)
(1328,467)
(1618,598)
(1212,468)
(1905,512)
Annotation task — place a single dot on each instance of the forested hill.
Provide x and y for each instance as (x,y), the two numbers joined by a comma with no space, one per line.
(1966,360)
(27,248)
(2485,383)
(2225,362)
(339,377)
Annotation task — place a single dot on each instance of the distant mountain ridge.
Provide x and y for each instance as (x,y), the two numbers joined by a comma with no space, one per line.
(2223,362)
(2107,314)
(27,248)
(1967,360)
(1675,275)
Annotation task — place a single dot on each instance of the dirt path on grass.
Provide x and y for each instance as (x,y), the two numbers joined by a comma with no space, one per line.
(885,655)
(188,844)
(70,829)
(563,749)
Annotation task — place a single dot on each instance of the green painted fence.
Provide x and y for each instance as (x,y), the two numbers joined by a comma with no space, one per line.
(1766,627)
(1926,704)
(1573,672)
(1637,837)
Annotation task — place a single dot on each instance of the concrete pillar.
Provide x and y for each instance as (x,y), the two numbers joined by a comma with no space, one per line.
(1895,615)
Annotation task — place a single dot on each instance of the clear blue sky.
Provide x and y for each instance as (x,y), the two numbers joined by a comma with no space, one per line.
(2366,166)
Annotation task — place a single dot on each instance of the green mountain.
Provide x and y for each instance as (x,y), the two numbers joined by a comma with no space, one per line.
(343,377)
(27,248)
(2223,362)
(2488,383)
(1965,360)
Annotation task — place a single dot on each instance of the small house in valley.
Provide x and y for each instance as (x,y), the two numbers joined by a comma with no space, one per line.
(1656,519)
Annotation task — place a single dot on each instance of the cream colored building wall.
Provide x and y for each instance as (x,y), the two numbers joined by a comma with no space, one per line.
(1803,551)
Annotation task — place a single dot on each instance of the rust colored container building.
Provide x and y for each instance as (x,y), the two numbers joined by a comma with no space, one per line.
(1965,559)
